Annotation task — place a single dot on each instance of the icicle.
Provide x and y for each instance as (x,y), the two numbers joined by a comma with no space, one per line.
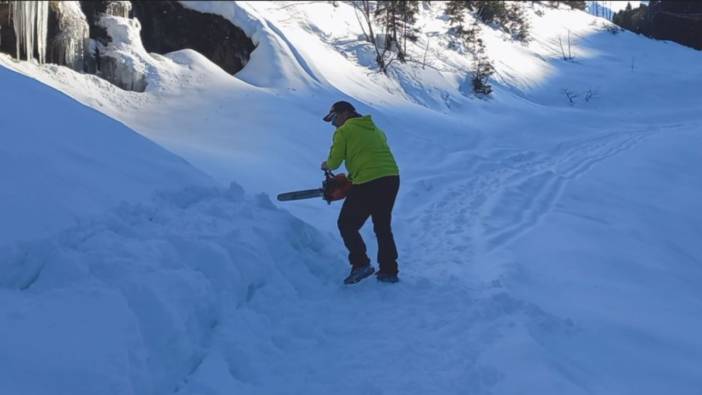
(42,23)
(20,12)
(119,8)
(30,20)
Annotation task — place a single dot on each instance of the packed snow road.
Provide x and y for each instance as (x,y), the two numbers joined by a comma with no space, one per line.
(488,201)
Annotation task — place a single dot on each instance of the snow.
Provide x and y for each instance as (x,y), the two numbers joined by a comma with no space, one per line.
(544,245)
(147,289)
(123,60)
(63,162)
(625,258)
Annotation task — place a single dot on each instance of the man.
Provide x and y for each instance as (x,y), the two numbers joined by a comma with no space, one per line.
(376,180)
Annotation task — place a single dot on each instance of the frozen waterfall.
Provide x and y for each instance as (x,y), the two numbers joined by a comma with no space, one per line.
(119,8)
(30,20)
(68,47)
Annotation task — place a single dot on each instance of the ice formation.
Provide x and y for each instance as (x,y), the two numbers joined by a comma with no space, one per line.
(68,47)
(30,21)
(119,8)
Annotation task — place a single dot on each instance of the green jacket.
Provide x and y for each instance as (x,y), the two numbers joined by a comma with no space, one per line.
(365,149)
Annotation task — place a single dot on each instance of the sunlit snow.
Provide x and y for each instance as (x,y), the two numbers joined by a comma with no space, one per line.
(547,245)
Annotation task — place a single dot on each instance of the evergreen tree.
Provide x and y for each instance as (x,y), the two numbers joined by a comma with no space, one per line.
(455,10)
(631,19)
(579,5)
(397,18)
(515,22)
(482,68)
(506,16)
(408,18)
(488,11)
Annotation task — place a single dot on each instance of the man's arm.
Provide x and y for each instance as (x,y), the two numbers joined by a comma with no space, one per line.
(337,153)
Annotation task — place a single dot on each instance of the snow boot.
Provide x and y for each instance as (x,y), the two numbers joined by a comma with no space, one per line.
(386,277)
(358,274)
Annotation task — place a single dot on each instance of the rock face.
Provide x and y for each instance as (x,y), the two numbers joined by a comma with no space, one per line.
(679,21)
(167,26)
(99,37)
(7,37)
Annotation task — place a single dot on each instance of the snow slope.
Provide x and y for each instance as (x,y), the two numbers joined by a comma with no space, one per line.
(61,161)
(545,247)
(624,263)
(136,300)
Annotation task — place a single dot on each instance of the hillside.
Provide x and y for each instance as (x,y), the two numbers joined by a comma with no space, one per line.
(55,176)
(546,246)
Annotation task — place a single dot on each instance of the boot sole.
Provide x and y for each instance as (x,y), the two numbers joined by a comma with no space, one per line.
(388,281)
(360,278)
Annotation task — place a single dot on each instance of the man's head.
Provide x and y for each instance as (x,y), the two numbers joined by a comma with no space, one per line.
(340,112)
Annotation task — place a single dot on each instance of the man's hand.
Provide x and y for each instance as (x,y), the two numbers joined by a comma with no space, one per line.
(323,166)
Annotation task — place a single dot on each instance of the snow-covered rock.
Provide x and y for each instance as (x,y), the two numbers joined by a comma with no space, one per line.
(119,8)
(215,37)
(123,61)
(74,34)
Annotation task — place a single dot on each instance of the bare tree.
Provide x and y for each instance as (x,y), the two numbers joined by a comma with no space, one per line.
(566,52)
(365,10)
(590,95)
(570,95)
(424,58)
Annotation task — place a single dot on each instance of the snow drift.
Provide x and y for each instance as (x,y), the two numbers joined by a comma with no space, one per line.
(135,301)
(62,161)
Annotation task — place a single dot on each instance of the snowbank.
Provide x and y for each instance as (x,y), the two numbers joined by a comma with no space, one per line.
(62,161)
(132,302)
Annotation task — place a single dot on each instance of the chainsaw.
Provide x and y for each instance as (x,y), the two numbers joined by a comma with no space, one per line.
(334,187)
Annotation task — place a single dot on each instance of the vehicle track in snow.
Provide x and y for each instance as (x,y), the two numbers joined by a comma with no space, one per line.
(503,196)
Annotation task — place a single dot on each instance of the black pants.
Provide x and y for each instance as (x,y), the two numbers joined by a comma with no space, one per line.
(371,199)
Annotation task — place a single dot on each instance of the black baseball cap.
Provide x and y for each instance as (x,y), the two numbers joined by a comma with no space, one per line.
(338,107)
